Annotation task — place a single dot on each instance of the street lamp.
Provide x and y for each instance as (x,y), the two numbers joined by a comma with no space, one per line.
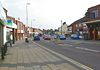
(61,27)
(27,12)
(26,39)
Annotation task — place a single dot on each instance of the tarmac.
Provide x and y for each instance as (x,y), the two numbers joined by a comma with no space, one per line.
(30,56)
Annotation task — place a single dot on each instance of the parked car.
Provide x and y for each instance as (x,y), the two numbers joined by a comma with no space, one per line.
(46,37)
(62,37)
(36,38)
(55,36)
(76,36)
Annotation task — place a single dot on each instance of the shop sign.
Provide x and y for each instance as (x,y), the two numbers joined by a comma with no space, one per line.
(9,22)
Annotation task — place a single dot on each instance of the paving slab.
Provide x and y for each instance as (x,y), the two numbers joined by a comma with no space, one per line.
(29,56)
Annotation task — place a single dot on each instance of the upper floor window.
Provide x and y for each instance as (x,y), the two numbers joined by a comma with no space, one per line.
(76,25)
(94,14)
(80,25)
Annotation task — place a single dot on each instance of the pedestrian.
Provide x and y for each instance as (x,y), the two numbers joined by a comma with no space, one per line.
(11,39)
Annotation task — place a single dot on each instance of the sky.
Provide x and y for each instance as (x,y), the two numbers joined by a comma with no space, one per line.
(47,14)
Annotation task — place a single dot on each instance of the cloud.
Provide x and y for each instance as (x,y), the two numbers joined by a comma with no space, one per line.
(49,13)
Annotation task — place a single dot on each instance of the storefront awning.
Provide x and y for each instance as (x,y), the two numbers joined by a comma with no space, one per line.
(95,21)
(12,26)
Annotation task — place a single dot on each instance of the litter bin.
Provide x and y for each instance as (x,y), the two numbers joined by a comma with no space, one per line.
(26,40)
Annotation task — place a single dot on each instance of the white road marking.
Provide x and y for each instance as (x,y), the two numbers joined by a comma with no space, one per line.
(66,58)
(87,49)
(65,45)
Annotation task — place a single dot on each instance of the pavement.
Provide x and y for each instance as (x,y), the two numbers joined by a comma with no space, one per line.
(30,56)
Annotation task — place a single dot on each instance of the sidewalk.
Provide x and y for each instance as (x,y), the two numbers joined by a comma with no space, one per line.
(28,56)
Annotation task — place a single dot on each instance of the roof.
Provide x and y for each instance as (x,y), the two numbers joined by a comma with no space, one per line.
(94,6)
(81,20)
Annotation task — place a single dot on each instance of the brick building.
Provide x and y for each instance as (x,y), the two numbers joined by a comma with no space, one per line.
(93,23)
(78,27)
(20,30)
(89,24)
(11,27)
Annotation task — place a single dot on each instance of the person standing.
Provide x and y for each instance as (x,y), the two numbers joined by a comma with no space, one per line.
(11,39)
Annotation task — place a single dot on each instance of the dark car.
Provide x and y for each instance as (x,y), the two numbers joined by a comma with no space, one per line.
(36,38)
(62,37)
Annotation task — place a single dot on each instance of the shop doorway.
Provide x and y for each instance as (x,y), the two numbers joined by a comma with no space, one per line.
(1,34)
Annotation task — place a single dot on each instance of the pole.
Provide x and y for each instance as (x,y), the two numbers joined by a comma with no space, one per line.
(27,18)
(61,27)
(27,14)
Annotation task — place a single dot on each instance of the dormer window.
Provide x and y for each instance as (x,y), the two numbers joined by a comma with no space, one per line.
(94,14)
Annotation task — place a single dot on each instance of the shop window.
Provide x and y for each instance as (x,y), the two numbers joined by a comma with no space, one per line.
(1,40)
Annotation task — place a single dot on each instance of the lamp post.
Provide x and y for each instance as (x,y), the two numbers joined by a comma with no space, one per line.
(27,20)
(61,27)
(27,12)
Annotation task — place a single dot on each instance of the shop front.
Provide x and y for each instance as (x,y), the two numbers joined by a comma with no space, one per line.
(1,33)
(11,27)
(3,47)
(94,29)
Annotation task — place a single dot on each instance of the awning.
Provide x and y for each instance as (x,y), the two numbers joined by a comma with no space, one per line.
(95,21)
(12,26)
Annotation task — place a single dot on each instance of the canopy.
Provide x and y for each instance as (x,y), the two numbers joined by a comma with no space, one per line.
(12,26)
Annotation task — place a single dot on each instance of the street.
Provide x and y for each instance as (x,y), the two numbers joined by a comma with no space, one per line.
(87,53)
(49,35)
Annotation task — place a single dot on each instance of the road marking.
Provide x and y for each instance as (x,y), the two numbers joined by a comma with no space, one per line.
(87,49)
(47,41)
(65,45)
(66,58)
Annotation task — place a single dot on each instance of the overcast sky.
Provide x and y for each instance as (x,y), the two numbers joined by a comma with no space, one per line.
(47,14)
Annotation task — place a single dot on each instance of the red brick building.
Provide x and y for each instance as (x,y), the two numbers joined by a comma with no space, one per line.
(77,27)
(20,30)
(11,29)
(93,23)
(89,24)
